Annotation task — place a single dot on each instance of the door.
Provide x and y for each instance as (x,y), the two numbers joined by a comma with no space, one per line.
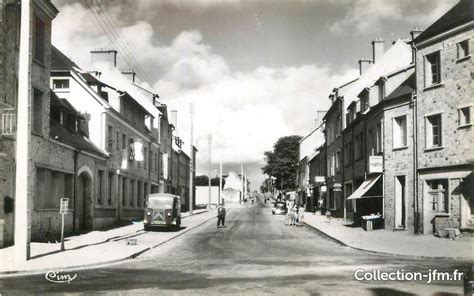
(84,202)
(400,202)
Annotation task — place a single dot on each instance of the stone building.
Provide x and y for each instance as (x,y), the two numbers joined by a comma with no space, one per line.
(345,132)
(119,123)
(444,110)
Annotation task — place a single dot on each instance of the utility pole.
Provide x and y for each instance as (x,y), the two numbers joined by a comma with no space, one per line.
(191,163)
(22,208)
(242,176)
(220,180)
(209,140)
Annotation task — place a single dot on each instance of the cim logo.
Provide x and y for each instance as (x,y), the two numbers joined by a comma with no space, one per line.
(60,277)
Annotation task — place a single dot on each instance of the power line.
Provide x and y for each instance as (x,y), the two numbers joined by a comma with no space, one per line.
(108,30)
(111,36)
(121,38)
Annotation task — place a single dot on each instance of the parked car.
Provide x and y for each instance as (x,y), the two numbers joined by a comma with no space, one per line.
(279,208)
(162,210)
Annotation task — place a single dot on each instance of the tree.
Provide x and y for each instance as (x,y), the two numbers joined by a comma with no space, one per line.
(203,180)
(282,162)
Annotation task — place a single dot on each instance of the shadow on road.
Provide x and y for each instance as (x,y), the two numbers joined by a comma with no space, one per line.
(166,229)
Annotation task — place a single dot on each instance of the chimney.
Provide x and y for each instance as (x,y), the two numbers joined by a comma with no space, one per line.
(105,55)
(130,74)
(174,118)
(364,64)
(377,49)
(319,117)
(414,33)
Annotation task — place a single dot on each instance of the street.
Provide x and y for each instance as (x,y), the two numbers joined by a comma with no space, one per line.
(254,254)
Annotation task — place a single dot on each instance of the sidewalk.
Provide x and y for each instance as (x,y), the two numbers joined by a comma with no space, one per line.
(97,247)
(391,242)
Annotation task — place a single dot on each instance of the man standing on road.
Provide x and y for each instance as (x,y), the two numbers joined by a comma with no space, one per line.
(220,216)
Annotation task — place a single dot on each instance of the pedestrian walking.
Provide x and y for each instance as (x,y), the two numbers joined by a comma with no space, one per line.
(221,216)
(301,216)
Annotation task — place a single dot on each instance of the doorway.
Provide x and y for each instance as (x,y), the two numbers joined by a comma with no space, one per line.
(84,201)
(400,202)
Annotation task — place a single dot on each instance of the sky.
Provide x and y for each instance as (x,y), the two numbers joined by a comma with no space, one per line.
(254,70)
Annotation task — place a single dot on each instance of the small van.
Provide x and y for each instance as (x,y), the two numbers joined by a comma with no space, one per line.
(162,210)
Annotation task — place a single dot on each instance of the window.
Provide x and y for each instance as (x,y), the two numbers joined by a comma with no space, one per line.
(464,116)
(432,69)
(348,154)
(132,193)
(338,127)
(111,138)
(139,195)
(433,131)
(37,116)
(400,132)
(359,142)
(110,188)
(156,163)
(124,191)
(338,160)
(463,49)
(117,143)
(379,135)
(39,39)
(381,91)
(60,84)
(100,191)
(124,141)
(50,187)
(145,154)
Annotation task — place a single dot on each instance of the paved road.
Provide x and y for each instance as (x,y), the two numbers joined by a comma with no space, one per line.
(254,254)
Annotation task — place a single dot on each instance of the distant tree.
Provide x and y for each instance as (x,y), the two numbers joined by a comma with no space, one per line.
(282,162)
(201,180)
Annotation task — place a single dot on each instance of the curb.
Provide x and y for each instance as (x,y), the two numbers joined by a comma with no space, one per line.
(6,274)
(343,244)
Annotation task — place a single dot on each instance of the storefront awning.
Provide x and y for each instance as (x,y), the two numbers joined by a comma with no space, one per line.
(364,187)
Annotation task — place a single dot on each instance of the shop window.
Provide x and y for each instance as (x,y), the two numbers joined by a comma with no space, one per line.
(438,195)
(433,131)
(432,69)
(463,49)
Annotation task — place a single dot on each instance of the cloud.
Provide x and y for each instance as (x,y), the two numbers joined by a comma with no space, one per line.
(372,15)
(245,112)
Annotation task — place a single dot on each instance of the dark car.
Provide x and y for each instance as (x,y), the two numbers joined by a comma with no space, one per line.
(279,208)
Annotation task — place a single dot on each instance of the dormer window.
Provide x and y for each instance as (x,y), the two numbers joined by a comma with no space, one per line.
(381,90)
(60,84)
(61,118)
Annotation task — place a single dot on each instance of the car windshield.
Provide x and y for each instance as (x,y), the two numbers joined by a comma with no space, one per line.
(160,202)
(279,205)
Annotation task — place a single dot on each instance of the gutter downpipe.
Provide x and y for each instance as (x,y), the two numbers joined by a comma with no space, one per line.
(74,191)
(415,147)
